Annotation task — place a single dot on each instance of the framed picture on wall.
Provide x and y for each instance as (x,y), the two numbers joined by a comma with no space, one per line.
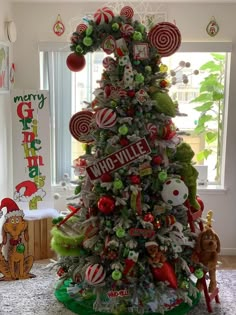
(4,67)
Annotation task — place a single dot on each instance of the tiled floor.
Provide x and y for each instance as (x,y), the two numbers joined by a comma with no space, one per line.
(227,262)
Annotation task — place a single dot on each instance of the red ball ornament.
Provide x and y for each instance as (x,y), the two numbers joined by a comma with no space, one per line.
(124,141)
(148,217)
(75,62)
(169,131)
(131,93)
(106,204)
(135,179)
(106,178)
(157,160)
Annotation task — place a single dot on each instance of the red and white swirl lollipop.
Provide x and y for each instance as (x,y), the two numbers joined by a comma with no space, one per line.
(105,118)
(165,37)
(80,126)
(127,12)
(152,129)
(127,29)
(81,28)
(104,15)
(108,63)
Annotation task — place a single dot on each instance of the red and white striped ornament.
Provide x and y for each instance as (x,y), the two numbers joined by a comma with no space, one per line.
(127,12)
(127,29)
(104,15)
(152,129)
(95,274)
(105,118)
(81,28)
(109,63)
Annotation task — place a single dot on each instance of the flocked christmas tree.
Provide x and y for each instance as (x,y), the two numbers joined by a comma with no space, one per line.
(126,246)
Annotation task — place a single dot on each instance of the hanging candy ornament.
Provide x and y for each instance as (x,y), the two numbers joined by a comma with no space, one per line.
(80,126)
(127,12)
(75,62)
(104,15)
(212,27)
(165,37)
(59,27)
(174,192)
(152,129)
(109,63)
(105,118)
(81,28)
(95,274)
(106,204)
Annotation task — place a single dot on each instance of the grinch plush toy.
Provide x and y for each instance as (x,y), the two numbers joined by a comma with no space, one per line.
(183,156)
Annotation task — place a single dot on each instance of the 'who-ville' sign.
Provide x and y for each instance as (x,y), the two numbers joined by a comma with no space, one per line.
(31,147)
(118,159)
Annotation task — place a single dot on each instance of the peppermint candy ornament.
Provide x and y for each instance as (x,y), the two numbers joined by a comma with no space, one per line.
(81,28)
(127,30)
(109,63)
(165,37)
(174,192)
(153,131)
(80,126)
(95,274)
(105,118)
(104,15)
(127,12)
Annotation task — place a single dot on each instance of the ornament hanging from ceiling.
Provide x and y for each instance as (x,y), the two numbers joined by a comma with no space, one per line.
(212,27)
(58,27)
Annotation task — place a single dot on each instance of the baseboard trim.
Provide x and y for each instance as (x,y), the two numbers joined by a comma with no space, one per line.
(228,251)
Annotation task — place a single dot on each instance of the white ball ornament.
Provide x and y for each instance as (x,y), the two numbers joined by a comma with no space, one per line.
(95,274)
(174,192)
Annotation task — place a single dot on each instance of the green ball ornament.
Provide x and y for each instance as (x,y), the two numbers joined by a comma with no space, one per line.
(89,30)
(148,69)
(116,275)
(115,27)
(123,130)
(120,232)
(141,28)
(118,184)
(108,224)
(199,273)
(137,36)
(113,103)
(87,41)
(79,49)
(136,62)
(139,78)
(162,176)
(184,284)
(20,248)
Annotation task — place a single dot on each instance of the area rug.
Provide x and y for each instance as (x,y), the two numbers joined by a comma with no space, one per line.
(36,295)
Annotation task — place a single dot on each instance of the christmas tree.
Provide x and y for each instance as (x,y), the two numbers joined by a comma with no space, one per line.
(126,246)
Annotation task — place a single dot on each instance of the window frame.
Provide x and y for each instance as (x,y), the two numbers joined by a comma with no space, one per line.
(185,47)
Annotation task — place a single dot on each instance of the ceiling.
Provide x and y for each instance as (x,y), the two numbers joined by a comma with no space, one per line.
(102,1)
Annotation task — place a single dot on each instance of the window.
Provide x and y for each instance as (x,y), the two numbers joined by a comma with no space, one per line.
(69,90)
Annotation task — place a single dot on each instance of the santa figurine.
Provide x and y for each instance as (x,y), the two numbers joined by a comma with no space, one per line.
(161,269)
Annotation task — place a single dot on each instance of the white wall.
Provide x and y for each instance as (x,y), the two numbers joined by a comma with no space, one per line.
(5,115)
(34,23)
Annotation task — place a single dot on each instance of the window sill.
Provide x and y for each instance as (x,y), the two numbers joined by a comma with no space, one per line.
(212,189)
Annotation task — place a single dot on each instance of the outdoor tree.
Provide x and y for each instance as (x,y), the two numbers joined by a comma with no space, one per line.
(126,246)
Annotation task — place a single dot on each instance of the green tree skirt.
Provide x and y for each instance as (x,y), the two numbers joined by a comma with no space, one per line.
(86,307)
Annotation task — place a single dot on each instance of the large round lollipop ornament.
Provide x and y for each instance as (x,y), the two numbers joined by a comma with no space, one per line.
(174,192)
(105,118)
(95,274)
(165,37)
(80,126)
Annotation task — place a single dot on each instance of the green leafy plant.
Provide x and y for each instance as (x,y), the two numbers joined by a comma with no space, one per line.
(211,107)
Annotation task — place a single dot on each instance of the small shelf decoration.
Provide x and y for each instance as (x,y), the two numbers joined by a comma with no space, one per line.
(59,27)
(212,27)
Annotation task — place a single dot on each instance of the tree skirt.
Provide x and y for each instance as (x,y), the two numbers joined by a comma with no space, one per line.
(85,307)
